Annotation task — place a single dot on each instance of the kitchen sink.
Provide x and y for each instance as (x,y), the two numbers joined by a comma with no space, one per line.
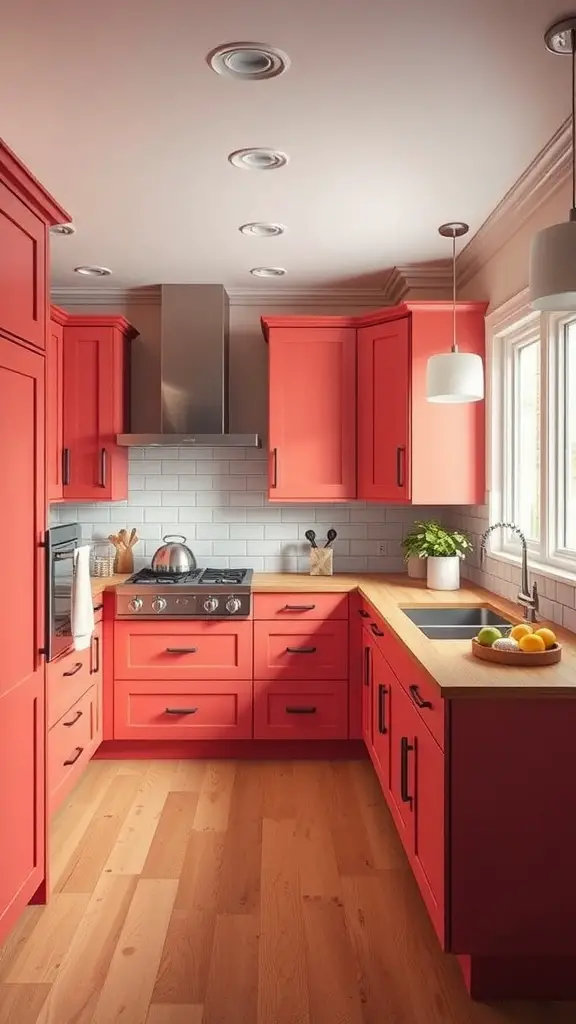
(462,623)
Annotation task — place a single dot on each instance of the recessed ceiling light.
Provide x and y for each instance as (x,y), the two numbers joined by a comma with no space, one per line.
(92,271)
(63,229)
(268,271)
(250,61)
(262,229)
(258,159)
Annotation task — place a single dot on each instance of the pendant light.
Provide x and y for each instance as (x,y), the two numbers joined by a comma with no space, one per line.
(553,250)
(454,377)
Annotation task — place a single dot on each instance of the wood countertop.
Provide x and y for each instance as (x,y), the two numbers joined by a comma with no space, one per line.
(450,662)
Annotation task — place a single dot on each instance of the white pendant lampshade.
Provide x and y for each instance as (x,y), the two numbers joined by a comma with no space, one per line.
(454,377)
(553,251)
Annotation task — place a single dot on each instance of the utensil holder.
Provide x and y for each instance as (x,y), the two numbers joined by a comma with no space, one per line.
(102,565)
(321,561)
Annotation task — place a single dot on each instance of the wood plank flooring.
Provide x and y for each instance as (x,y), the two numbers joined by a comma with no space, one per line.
(234,893)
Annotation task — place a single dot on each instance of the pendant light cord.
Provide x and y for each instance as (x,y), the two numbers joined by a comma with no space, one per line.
(454,345)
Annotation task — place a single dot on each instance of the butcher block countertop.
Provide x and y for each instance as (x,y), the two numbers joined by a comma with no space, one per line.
(450,662)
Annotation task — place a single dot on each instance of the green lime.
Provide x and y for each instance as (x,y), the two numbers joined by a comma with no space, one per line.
(487,636)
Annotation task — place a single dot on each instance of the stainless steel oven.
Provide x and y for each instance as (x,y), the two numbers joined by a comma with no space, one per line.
(61,543)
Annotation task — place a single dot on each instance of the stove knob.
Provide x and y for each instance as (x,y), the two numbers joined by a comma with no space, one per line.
(233,605)
(158,604)
(135,604)
(210,604)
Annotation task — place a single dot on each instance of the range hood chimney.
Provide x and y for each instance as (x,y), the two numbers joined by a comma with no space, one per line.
(191,403)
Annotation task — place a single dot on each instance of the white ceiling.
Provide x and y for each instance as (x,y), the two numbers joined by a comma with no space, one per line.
(396,115)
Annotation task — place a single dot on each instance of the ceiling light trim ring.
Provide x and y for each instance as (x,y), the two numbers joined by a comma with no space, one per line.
(258,158)
(234,61)
(268,272)
(92,270)
(64,230)
(262,229)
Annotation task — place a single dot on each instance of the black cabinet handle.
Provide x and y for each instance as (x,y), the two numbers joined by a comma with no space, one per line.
(364,614)
(400,455)
(301,711)
(103,467)
(181,711)
(181,650)
(99,607)
(418,698)
(73,671)
(300,650)
(65,466)
(73,721)
(376,630)
(382,691)
(367,665)
(405,748)
(274,468)
(298,607)
(95,655)
(72,760)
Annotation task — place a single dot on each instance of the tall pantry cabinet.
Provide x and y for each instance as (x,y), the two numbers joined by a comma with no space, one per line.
(26,212)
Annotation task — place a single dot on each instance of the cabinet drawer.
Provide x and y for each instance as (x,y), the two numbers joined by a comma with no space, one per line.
(301,710)
(71,743)
(422,689)
(183,650)
(301,650)
(68,678)
(207,710)
(296,607)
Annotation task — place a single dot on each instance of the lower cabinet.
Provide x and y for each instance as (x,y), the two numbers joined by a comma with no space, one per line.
(183,710)
(300,710)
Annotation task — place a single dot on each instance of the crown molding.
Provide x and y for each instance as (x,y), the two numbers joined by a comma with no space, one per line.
(545,175)
(111,297)
(434,278)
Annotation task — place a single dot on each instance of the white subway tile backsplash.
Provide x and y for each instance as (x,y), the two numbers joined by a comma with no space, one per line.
(217,498)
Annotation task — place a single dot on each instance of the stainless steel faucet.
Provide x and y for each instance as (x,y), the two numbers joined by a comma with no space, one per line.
(527,600)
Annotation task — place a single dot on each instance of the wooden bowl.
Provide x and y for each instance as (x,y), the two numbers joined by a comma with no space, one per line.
(521,659)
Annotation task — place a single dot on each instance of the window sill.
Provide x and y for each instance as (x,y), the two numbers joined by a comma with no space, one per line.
(551,572)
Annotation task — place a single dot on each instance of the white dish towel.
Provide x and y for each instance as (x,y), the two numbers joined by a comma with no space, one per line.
(82,604)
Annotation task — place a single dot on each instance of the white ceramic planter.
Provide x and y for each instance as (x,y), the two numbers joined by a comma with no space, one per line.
(416,568)
(443,573)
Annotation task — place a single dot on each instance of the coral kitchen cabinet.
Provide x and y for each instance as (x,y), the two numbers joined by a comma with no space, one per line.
(96,403)
(55,405)
(312,410)
(334,378)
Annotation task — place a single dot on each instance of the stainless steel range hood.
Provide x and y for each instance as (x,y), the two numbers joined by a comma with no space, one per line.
(187,403)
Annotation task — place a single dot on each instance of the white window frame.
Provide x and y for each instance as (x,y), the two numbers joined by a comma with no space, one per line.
(508,327)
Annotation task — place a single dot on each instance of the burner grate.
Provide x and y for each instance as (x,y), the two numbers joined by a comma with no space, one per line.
(226,577)
(152,578)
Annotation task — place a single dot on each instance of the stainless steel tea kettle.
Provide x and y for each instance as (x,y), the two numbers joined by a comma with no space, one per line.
(174,556)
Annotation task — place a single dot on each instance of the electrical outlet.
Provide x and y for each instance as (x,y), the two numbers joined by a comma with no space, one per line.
(382,547)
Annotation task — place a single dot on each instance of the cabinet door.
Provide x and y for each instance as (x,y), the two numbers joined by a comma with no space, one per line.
(428,861)
(312,417)
(22,270)
(93,414)
(403,720)
(54,413)
(367,683)
(22,802)
(384,411)
(382,689)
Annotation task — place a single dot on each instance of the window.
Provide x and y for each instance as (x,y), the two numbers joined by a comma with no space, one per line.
(532,418)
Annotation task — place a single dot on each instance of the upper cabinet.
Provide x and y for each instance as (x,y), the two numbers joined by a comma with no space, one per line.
(312,411)
(55,405)
(95,405)
(408,449)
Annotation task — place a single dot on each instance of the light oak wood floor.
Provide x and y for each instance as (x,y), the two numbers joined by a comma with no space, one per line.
(234,893)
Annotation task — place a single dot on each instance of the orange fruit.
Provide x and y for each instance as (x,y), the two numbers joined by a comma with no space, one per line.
(531,642)
(522,629)
(548,636)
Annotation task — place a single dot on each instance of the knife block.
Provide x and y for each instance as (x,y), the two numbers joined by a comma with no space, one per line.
(321,561)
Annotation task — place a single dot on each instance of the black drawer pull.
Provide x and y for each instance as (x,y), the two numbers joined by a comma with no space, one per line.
(301,711)
(65,466)
(103,467)
(418,698)
(181,650)
(72,760)
(298,607)
(74,720)
(274,468)
(364,614)
(96,651)
(376,630)
(300,650)
(181,711)
(367,665)
(99,607)
(405,748)
(400,457)
(382,691)
(73,671)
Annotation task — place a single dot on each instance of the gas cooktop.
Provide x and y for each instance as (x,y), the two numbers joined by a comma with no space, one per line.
(199,577)
(200,594)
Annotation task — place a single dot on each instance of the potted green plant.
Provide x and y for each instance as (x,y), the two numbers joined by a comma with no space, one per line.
(413,552)
(443,549)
